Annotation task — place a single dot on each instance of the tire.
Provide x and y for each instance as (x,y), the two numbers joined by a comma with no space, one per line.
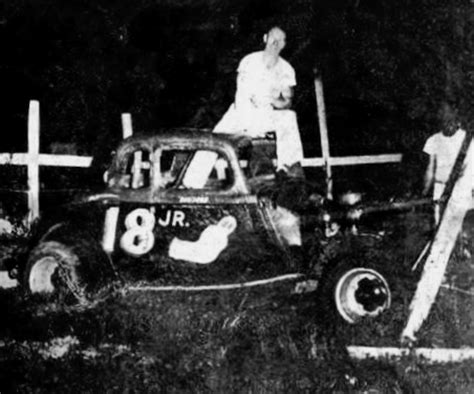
(352,292)
(55,271)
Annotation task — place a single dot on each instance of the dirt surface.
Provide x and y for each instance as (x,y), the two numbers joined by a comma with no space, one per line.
(221,342)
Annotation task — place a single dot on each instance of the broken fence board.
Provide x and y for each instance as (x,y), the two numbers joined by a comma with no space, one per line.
(441,356)
(458,204)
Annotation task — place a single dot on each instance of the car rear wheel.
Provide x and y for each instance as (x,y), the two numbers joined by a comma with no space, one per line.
(361,293)
(54,271)
(353,292)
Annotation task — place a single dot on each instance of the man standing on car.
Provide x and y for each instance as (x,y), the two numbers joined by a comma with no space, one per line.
(265,83)
(263,99)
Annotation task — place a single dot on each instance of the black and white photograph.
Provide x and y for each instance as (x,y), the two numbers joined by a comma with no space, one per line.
(237,196)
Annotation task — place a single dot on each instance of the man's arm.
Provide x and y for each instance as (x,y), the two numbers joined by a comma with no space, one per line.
(243,92)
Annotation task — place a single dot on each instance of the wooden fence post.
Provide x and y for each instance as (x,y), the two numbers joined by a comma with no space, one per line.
(127,130)
(323,130)
(33,161)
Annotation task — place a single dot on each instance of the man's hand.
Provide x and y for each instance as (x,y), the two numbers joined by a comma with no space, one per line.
(284,99)
(281,103)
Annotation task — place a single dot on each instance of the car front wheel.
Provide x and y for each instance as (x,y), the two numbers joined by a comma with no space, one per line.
(54,270)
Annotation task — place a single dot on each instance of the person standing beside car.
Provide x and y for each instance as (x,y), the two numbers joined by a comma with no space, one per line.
(443,148)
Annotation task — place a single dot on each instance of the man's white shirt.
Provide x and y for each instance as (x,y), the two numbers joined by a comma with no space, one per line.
(259,85)
(446,149)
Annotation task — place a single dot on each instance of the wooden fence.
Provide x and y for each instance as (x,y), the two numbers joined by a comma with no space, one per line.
(33,159)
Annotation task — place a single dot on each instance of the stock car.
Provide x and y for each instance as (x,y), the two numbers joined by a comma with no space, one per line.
(159,224)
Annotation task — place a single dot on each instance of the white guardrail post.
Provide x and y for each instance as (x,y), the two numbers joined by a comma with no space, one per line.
(323,131)
(33,161)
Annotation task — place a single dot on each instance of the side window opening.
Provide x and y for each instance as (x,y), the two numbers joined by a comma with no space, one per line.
(220,177)
(172,164)
(137,170)
(201,169)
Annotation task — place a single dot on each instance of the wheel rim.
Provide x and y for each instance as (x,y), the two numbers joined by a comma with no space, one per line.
(361,293)
(41,275)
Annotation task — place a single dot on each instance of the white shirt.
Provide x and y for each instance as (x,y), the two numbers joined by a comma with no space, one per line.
(445,149)
(257,85)
(252,112)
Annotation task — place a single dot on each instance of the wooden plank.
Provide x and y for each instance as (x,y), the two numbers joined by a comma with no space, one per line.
(18,159)
(33,161)
(323,130)
(369,159)
(127,129)
(46,159)
(444,241)
(354,160)
(427,355)
(64,160)
(313,162)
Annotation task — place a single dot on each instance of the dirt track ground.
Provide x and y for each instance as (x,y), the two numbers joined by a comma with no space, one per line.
(180,343)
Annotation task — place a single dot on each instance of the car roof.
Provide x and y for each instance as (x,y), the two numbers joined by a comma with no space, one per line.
(186,136)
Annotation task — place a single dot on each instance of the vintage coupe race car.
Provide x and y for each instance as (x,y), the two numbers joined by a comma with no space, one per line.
(153,228)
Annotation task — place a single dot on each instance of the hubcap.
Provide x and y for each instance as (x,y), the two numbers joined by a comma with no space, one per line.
(360,293)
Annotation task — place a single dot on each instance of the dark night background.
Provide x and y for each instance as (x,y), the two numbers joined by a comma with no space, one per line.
(386,66)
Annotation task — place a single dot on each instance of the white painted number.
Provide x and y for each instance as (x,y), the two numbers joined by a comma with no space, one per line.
(139,238)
